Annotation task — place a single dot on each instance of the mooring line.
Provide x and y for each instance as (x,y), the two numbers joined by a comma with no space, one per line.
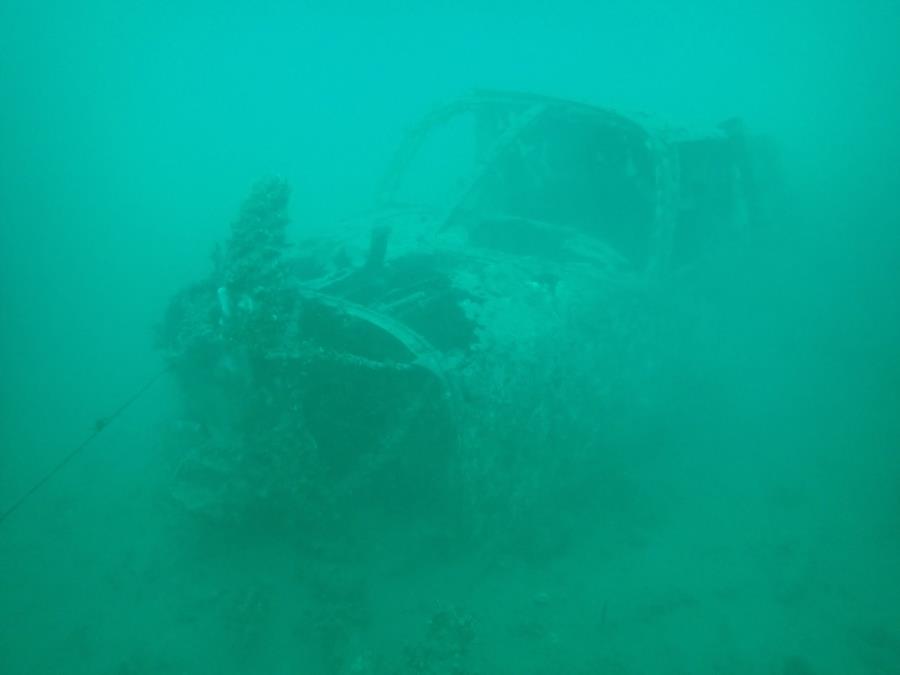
(99,427)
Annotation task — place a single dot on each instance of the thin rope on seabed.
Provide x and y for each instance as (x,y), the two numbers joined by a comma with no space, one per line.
(100,426)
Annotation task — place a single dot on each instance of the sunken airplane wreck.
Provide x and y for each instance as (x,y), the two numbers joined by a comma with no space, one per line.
(488,334)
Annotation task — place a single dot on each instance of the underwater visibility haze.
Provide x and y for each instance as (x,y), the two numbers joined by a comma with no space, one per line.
(450,339)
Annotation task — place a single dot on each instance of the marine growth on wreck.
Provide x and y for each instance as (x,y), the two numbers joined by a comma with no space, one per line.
(475,357)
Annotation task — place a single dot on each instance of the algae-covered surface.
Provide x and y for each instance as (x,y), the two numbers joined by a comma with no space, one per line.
(493,338)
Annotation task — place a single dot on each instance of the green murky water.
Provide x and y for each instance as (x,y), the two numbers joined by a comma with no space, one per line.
(583,409)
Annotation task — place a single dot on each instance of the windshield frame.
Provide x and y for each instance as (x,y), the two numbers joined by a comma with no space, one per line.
(522,112)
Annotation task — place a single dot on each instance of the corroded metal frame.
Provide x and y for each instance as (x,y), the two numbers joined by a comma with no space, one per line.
(529,110)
